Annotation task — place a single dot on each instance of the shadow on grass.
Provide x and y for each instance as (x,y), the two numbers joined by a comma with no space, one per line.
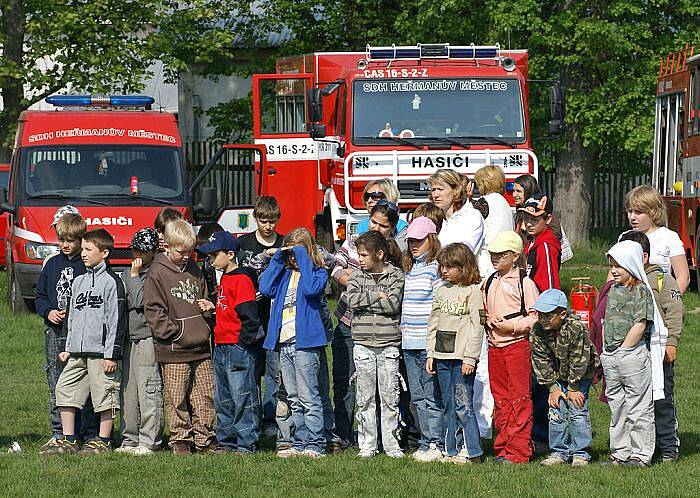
(690,443)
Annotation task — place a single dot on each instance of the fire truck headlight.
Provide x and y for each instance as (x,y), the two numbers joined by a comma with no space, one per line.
(39,251)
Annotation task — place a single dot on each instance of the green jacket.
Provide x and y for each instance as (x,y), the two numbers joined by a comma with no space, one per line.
(565,357)
(375,319)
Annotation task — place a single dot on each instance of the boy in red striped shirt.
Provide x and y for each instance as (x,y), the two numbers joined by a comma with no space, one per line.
(236,334)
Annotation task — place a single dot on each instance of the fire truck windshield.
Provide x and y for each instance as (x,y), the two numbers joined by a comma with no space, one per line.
(438,108)
(101,171)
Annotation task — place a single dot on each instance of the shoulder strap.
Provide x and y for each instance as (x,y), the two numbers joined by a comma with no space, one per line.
(523,311)
(489,281)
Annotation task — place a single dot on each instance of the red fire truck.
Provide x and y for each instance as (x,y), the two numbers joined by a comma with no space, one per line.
(327,123)
(114,159)
(676,164)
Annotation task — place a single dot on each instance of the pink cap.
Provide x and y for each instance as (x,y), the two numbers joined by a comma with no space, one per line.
(420,228)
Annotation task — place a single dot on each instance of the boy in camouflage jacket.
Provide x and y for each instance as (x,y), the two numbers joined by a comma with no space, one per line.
(564,361)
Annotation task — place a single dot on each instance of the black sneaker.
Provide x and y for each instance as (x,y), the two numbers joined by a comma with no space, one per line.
(61,447)
(634,463)
(95,447)
(668,458)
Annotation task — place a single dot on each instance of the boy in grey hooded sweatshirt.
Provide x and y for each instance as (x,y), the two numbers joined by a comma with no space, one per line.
(374,295)
(97,329)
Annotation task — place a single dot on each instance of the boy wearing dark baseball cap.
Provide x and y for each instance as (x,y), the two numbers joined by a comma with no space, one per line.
(236,334)
(543,252)
(142,386)
(564,360)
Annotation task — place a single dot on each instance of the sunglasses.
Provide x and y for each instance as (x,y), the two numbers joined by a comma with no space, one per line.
(390,205)
(374,195)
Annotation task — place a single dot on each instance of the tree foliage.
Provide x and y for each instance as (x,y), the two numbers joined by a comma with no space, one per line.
(106,46)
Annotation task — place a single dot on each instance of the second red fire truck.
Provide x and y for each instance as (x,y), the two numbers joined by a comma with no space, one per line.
(676,164)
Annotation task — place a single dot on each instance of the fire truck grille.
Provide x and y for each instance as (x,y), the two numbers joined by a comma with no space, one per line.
(413,189)
(121,254)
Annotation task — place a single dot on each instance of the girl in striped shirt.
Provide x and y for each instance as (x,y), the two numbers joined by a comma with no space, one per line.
(421,281)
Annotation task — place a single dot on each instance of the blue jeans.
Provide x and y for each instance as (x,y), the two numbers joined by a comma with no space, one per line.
(300,369)
(425,395)
(458,415)
(86,422)
(236,397)
(576,420)
(270,387)
(343,392)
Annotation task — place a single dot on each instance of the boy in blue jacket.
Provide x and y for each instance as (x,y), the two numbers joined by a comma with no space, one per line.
(296,280)
(53,293)
(97,328)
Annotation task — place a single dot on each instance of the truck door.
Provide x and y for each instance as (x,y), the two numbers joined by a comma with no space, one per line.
(225,190)
(281,125)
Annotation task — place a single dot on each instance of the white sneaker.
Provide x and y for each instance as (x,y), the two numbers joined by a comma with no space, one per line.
(143,451)
(313,454)
(288,453)
(395,454)
(419,455)
(367,453)
(432,454)
(127,450)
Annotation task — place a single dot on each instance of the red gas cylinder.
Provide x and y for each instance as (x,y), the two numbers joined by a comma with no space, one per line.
(583,298)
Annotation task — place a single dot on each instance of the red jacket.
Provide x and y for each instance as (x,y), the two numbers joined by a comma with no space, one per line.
(543,256)
(237,317)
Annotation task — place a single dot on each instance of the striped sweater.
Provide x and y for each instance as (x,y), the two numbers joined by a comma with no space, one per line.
(375,319)
(420,285)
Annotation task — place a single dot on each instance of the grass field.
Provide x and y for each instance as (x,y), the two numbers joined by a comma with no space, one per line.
(24,417)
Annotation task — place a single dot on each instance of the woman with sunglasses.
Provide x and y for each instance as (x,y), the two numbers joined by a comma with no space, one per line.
(375,191)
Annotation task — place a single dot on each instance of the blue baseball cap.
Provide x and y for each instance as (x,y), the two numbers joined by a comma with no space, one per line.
(550,300)
(220,241)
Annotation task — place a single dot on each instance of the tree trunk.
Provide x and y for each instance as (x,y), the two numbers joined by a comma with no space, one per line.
(11,86)
(572,190)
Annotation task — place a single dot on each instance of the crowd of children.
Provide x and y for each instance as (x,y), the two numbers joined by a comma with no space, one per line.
(237,348)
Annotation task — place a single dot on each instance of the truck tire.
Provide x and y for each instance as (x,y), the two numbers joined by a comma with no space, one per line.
(14,294)
(324,234)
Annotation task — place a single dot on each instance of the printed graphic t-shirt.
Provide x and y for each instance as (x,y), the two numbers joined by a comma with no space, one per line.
(289,310)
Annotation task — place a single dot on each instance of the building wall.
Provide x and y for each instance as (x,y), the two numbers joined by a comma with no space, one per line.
(197,94)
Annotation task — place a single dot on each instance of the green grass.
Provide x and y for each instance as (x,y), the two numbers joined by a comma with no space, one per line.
(24,417)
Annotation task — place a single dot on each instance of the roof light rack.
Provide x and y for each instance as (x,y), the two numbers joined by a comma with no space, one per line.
(101,100)
(433,51)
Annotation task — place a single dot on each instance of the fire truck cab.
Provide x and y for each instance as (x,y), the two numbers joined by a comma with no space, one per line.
(113,158)
(676,162)
(327,123)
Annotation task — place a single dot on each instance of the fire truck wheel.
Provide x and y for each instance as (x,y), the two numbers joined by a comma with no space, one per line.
(14,294)
(324,237)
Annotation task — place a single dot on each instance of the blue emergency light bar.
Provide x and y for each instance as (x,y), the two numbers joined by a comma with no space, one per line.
(433,51)
(100,100)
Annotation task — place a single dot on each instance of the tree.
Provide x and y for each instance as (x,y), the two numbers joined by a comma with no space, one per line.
(104,46)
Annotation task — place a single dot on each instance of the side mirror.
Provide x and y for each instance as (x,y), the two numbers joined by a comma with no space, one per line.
(205,206)
(315,105)
(4,206)
(556,110)
(317,130)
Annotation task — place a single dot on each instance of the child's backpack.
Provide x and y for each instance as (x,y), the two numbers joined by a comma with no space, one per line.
(523,311)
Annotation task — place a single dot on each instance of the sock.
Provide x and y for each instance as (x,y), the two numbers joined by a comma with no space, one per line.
(105,440)
(70,439)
